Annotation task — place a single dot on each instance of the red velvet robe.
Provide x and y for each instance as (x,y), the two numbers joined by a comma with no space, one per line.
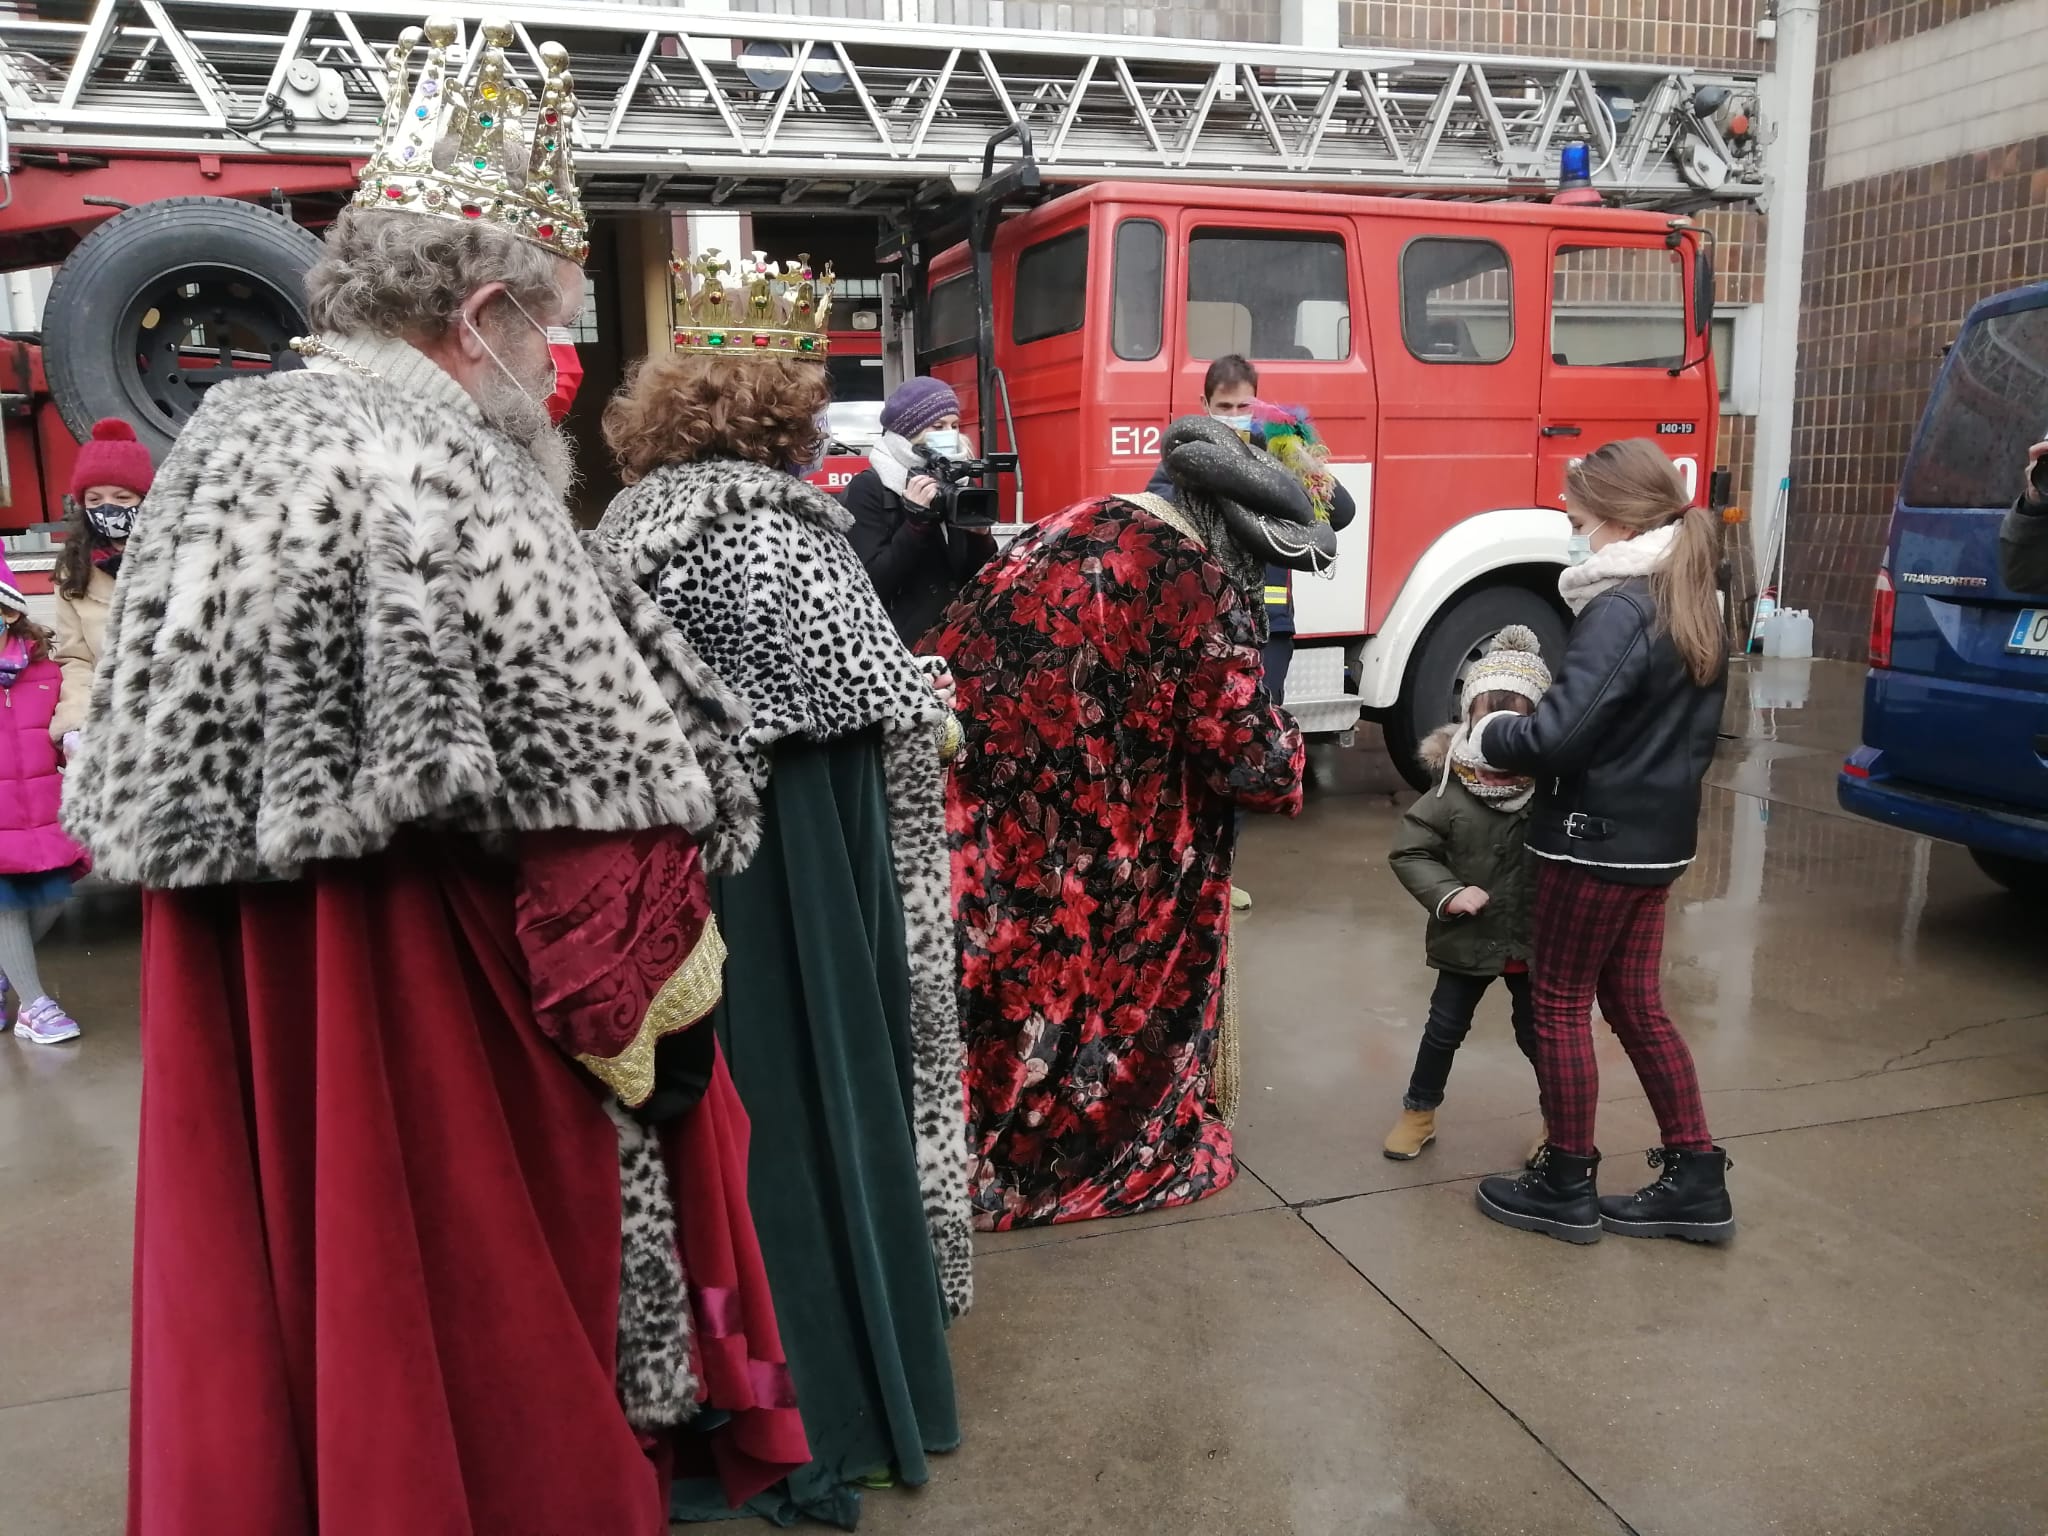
(378,1213)
(1111,692)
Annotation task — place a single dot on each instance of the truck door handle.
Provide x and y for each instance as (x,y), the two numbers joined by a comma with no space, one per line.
(1560,431)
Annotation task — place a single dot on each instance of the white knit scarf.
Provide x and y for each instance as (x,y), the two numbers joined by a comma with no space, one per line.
(894,458)
(1612,564)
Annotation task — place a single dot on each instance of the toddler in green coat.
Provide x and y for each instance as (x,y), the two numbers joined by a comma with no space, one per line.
(1459,852)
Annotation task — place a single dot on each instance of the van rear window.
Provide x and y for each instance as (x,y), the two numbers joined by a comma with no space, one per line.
(1268,294)
(1052,288)
(1991,405)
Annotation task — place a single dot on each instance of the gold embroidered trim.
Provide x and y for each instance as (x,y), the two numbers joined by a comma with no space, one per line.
(684,998)
(1167,513)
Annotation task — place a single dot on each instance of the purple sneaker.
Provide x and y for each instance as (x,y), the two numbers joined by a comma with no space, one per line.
(45,1022)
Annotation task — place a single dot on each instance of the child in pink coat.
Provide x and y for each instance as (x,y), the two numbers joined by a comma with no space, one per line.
(38,863)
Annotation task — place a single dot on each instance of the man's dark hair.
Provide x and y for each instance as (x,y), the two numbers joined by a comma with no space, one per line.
(1228,369)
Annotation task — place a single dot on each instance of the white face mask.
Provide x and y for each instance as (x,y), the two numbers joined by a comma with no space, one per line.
(1578,549)
(946,442)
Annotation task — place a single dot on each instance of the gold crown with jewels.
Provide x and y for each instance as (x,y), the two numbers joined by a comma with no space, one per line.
(454,142)
(767,309)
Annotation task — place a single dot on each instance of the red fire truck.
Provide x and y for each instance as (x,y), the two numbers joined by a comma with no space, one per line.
(1455,358)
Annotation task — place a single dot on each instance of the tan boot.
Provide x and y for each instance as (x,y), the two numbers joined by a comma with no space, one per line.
(1542,1139)
(1415,1130)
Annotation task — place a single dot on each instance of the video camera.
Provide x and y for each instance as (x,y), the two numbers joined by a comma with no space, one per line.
(967,488)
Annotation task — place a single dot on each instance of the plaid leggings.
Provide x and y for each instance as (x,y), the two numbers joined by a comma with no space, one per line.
(1595,937)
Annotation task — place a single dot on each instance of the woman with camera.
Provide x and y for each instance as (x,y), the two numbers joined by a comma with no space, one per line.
(917,562)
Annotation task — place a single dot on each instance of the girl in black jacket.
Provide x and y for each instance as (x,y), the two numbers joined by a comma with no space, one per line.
(1618,747)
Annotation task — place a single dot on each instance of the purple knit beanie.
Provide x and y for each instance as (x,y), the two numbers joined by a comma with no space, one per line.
(917,404)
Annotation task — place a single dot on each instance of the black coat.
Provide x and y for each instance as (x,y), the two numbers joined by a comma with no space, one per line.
(918,567)
(2023,547)
(1618,745)
(1279,580)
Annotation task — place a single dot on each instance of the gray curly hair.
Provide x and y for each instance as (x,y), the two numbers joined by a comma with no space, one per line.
(387,273)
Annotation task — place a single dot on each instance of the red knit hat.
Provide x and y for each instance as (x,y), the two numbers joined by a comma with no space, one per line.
(112,456)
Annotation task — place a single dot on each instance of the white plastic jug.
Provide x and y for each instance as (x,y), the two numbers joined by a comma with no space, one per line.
(1795,640)
(1788,633)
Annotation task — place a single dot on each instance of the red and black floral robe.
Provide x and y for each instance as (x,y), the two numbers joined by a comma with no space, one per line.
(1110,687)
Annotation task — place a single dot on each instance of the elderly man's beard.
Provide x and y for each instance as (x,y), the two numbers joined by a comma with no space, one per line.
(507,405)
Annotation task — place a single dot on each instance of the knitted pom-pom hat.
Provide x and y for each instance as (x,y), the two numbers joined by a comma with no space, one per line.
(112,456)
(916,404)
(1513,663)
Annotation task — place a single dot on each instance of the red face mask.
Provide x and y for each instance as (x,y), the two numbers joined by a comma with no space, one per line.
(568,372)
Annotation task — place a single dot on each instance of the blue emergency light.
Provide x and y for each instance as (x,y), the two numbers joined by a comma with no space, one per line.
(1575,175)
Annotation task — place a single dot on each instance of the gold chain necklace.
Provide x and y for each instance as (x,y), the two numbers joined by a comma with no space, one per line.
(313,346)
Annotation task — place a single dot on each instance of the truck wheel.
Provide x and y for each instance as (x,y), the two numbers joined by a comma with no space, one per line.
(2023,877)
(1453,642)
(167,299)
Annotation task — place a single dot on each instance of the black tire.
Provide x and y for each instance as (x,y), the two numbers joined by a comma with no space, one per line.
(1429,696)
(123,308)
(2023,877)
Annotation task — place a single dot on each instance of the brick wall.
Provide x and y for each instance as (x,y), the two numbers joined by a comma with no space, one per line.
(1712,33)
(1893,262)
(1243,21)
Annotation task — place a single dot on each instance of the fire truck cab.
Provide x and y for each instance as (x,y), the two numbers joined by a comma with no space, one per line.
(1455,357)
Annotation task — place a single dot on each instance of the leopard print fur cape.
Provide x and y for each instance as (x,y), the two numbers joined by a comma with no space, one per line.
(351,605)
(754,567)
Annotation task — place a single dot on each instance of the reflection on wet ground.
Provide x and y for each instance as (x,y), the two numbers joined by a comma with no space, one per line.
(1338,1344)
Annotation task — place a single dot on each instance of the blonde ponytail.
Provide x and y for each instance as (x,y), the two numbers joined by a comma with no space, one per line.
(1632,483)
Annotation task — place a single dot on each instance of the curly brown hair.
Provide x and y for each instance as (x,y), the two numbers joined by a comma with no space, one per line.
(679,407)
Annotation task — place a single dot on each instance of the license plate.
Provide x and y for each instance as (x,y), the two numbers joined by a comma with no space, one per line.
(2030,633)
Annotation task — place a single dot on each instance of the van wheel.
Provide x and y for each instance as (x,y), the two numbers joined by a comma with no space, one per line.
(1454,641)
(2023,877)
(167,299)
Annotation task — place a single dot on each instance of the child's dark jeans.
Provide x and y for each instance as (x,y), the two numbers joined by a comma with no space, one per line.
(1451,1007)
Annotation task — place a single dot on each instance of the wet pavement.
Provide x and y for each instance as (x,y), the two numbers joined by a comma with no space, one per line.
(1339,1344)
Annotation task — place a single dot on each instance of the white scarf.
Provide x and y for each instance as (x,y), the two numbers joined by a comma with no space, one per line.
(894,458)
(1612,564)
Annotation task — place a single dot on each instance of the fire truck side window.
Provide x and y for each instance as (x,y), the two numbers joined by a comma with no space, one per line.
(1139,322)
(1268,294)
(949,319)
(1052,288)
(1457,301)
(1617,307)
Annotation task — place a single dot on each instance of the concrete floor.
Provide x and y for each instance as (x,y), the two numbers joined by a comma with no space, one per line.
(1339,1344)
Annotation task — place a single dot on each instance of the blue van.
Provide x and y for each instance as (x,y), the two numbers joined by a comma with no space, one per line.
(1955,708)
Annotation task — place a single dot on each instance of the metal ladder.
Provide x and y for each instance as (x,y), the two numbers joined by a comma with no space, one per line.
(758,111)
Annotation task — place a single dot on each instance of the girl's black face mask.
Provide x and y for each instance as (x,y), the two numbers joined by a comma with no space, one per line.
(111,521)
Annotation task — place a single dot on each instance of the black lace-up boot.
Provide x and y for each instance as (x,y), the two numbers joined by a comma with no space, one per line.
(1689,1199)
(1556,1196)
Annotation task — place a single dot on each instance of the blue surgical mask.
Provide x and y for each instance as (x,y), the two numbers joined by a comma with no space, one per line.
(1578,549)
(1237,423)
(944,442)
